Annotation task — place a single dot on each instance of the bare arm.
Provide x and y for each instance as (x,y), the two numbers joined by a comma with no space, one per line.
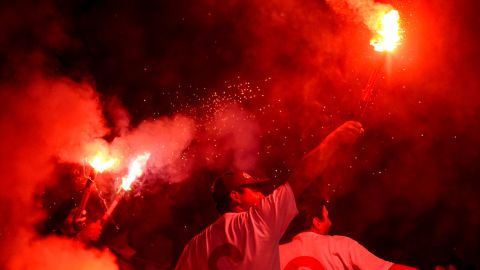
(401,267)
(314,163)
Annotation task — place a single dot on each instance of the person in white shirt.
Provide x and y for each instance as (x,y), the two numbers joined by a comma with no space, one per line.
(312,248)
(246,236)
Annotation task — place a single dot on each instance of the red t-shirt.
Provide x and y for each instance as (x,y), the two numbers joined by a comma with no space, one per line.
(247,240)
(309,250)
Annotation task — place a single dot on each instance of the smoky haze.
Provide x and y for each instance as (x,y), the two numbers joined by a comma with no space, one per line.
(252,85)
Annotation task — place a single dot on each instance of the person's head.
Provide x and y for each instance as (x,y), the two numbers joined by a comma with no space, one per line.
(236,191)
(312,218)
(320,221)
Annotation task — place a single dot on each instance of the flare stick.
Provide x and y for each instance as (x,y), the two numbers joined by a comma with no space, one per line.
(86,192)
(367,93)
(112,207)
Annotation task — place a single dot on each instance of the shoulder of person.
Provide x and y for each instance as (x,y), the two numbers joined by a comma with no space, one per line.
(343,239)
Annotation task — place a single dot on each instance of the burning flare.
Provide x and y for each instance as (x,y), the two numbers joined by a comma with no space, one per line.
(102,162)
(386,25)
(135,170)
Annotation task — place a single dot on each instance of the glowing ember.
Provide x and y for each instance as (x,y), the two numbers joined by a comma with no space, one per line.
(387,31)
(101,162)
(135,170)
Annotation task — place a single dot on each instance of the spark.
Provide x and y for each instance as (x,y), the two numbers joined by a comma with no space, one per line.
(135,170)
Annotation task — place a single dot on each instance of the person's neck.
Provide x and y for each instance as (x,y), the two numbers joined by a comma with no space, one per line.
(321,230)
(237,209)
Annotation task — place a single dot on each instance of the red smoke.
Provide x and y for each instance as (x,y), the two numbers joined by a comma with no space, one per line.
(415,168)
(59,253)
(43,120)
(165,139)
(232,139)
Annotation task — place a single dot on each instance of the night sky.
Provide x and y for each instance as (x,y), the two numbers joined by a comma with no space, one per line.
(207,86)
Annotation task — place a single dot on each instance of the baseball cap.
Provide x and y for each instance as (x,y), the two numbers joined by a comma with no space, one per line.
(231,180)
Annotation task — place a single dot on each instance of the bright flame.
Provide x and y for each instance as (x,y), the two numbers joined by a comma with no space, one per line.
(135,170)
(387,31)
(101,162)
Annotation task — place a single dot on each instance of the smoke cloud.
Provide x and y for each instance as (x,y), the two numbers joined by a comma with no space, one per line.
(230,140)
(41,121)
(165,139)
(60,253)
(51,120)
(362,10)
(145,65)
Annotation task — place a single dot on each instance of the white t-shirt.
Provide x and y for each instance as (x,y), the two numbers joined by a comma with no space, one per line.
(309,250)
(247,240)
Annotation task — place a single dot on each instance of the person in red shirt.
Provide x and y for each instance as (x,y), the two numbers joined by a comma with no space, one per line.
(312,248)
(246,236)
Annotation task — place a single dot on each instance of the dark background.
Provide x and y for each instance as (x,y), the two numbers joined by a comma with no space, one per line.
(278,76)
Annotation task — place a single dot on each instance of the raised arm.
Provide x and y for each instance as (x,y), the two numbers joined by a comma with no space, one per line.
(314,163)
